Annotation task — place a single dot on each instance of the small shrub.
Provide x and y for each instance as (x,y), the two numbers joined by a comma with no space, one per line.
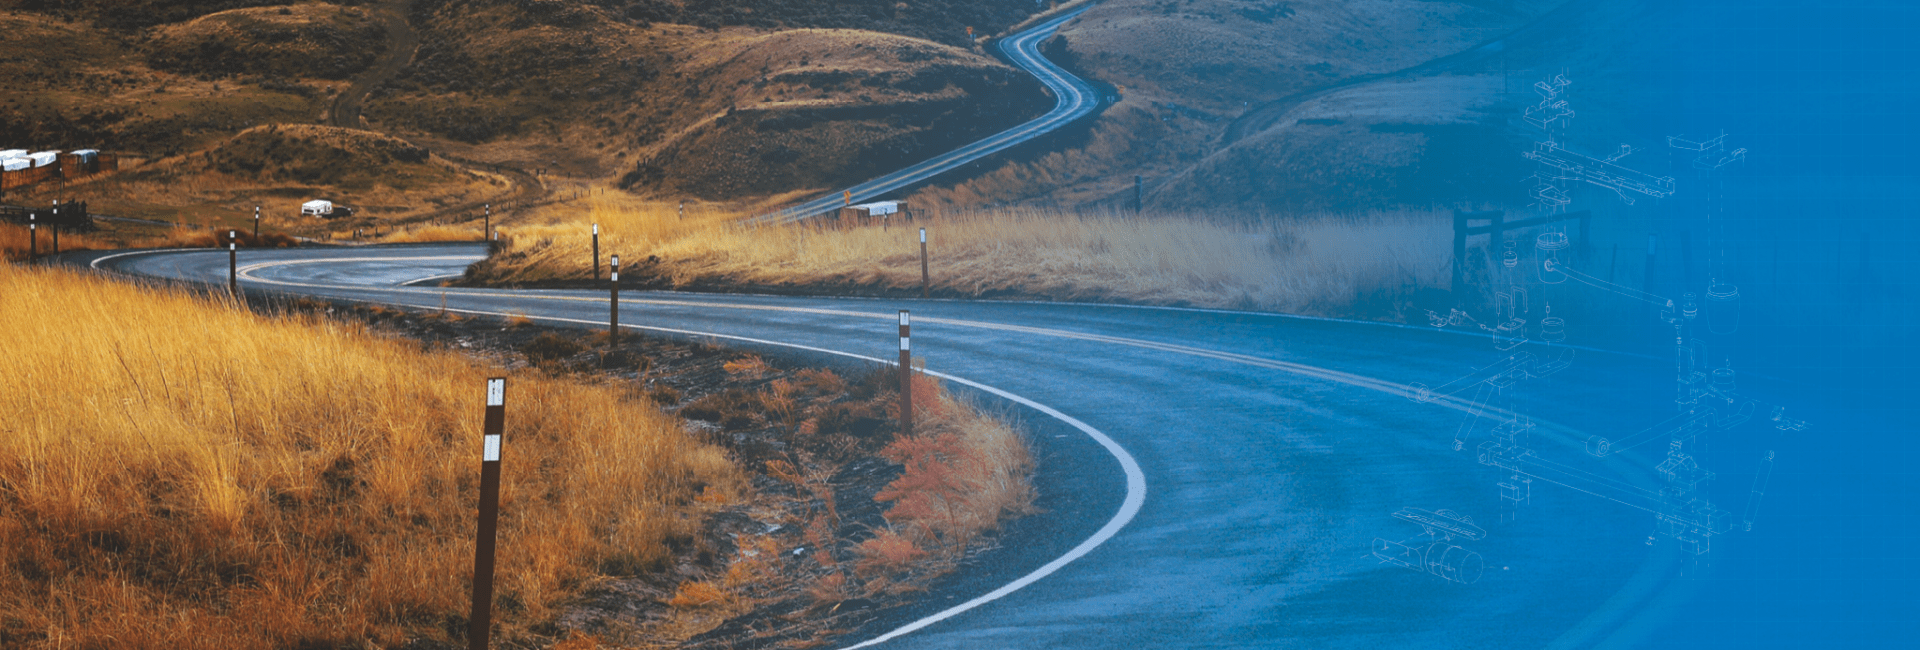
(888,552)
(695,593)
(550,347)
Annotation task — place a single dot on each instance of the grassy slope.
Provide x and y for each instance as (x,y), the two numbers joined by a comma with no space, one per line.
(183,473)
(585,92)
(1179,101)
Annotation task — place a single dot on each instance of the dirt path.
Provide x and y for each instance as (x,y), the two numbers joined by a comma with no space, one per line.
(401,44)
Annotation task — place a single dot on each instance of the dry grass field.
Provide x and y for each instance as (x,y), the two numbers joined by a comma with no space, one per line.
(182,473)
(1345,265)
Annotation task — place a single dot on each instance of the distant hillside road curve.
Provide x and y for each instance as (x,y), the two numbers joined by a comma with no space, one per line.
(1073,98)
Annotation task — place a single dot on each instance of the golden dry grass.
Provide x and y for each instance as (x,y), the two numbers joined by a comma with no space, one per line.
(16,242)
(179,472)
(1319,264)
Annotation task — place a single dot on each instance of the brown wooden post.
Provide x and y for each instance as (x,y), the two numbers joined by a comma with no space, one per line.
(925,279)
(906,374)
(480,623)
(596,251)
(613,303)
(233,265)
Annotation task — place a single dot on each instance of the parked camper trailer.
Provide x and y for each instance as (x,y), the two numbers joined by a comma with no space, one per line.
(322,209)
(15,164)
(12,153)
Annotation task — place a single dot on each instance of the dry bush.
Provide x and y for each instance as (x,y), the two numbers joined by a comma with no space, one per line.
(1325,264)
(182,473)
(428,234)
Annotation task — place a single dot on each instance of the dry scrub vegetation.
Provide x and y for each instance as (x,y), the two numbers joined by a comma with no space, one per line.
(16,242)
(179,472)
(1319,264)
(963,471)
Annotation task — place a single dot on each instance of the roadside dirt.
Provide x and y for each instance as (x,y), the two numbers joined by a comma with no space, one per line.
(775,556)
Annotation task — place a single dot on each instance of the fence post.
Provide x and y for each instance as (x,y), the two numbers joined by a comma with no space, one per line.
(480,624)
(925,279)
(596,251)
(613,304)
(233,266)
(906,375)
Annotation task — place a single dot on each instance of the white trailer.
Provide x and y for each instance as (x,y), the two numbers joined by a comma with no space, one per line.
(879,208)
(322,209)
(16,164)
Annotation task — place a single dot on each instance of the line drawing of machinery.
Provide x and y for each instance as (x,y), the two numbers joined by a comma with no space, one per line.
(1434,551)
(1706,402)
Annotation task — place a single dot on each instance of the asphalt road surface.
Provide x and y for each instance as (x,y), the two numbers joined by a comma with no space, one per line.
(1208,478)
(1072,98)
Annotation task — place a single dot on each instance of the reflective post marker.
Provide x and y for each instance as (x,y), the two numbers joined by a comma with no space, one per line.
(479,624)
(256,225)
(923,263)
(33,238)
(613,303)
(596,251)
(487,225)
(233,266)
(906,375)
(55,229)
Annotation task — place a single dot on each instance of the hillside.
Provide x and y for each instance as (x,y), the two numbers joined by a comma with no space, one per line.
(1192,70)
(278,167)
(587,92)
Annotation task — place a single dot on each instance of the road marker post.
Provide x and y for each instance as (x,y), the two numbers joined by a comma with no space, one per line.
(256,225)
(596,251)
(233,266)
(924,277)
(55,227)
(480,623)
(33,238)
(613,304)
(906,374)
(486,225)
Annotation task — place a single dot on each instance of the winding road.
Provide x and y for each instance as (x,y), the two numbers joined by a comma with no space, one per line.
(1209,478)
(1073,98)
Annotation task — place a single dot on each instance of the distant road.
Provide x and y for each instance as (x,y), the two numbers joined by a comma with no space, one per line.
(1073,98)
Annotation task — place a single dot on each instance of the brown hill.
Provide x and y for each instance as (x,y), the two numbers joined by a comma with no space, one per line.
(725,113)
(306,40)
(1191,69)
(280,166)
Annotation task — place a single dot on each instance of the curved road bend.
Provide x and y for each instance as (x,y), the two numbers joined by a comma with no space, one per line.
(1265,476)
(1073,98)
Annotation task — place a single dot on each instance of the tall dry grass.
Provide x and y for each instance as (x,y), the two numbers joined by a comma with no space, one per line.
(179,472)
(16,242)
(1317,264)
